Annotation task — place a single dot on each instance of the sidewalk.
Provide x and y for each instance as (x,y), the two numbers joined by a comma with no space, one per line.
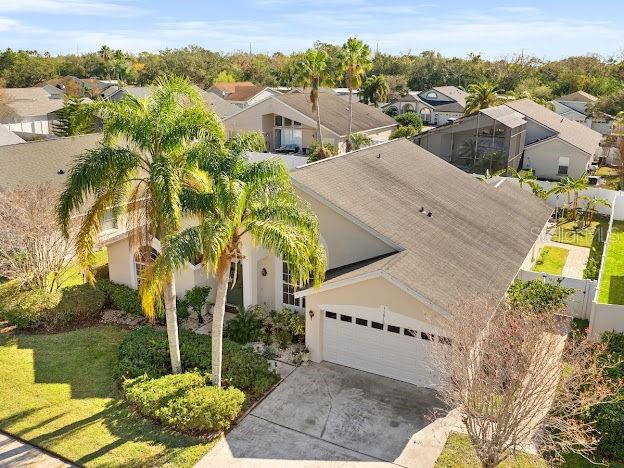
(14,453)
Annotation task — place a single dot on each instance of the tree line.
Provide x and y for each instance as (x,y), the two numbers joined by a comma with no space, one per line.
(416,71)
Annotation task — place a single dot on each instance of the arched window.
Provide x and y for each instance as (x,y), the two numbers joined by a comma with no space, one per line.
(408,108)
(143,257)
(425,114)
(432,95)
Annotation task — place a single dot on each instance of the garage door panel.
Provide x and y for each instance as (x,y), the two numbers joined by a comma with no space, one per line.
(394,355)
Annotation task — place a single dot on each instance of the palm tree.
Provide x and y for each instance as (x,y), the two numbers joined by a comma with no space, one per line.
(244,199)
(375,90)
(490,175)
(360,140)
(312,72)
(355,61)
(482,96)
(144,174)
(106,53)
(576,186)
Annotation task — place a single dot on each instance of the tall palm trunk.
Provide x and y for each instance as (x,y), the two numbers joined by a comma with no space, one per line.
(318,127)
(350,118)
(218,314)
(172,325)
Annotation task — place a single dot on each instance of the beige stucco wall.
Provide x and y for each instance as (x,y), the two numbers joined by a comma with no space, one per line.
(372,293)
(121,263)
(544,159)
(345,241)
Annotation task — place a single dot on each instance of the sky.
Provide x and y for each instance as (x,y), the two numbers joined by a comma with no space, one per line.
(547,29)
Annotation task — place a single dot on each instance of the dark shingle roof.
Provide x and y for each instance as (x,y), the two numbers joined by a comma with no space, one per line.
(475,241)
(334,112)
(244,92)
(38,162)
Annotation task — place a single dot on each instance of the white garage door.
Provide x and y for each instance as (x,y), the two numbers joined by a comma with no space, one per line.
(397,350)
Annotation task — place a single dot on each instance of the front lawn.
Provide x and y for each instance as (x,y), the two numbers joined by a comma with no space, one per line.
(459,452)
(58,392)
(612,283)
(73,276)
(551,260)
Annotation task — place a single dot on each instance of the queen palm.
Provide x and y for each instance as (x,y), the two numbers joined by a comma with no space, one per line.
(355,61)
(482,96)
(375,90)
(141,167)
(243,199)
(312,71)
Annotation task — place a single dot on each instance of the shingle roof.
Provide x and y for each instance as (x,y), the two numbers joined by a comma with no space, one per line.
(580,96)
(334,112)
(16,103)
(7,137)
(569,131)
(473,244)
(243,93)
(453,92)
(38,162)
(213,102)
(231,87)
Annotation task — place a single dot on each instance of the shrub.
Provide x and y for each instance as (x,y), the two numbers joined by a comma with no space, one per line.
(291,322)
(314,152)
(195,299)
(34,308)
(146,351)
(404,132)
(185,402)
(26,308)
(246,326)
(538,295)
(609,417)
(81,302)
(121,297)
(283,338)
(410,119)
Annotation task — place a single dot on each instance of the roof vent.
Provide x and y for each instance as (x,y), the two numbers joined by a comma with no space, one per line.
(61,172)
(379,156)
(429,214)
(422,208)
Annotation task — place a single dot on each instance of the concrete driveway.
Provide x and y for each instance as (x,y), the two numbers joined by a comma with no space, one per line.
(330,415)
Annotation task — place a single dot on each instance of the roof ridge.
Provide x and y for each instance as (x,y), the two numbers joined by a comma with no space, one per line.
(48,140)
(350,152)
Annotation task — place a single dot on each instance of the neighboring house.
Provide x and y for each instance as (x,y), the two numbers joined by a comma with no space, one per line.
(288,119)
(242,93)
(82,87)
(519,134)
(42,162)
(575,107)
(7,137)
(407,236)
(30,110)
(213,102)
(436,106)
(344,92)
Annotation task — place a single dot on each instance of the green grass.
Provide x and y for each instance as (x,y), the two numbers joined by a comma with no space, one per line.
(73,276)
(612,283)
(458,452)
(572,460)
(58,392)
(569,233)
(610,176)
(551,260)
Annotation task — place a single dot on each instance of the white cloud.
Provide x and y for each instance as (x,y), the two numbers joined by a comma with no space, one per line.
(68,7)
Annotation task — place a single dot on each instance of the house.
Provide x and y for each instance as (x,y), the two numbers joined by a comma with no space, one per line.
(7,137)
(30,110)
(436,106)
(212,102)
(81,87)
(242,93)
(288,119)
(407,236)
(42,162)
(519,134)
(575,106)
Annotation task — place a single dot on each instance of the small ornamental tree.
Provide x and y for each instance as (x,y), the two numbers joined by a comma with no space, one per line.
(538,295)
(518,382)
(409,119)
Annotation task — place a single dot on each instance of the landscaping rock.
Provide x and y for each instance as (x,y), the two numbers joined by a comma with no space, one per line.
(123,318)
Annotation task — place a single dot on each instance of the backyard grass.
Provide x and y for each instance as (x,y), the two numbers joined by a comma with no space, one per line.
(459,452)
(612,283)
(569,233)
(551,260)
(610,176)
(58,392)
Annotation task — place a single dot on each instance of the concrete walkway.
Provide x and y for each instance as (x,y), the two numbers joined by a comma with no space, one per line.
(14,453)
(576,261)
